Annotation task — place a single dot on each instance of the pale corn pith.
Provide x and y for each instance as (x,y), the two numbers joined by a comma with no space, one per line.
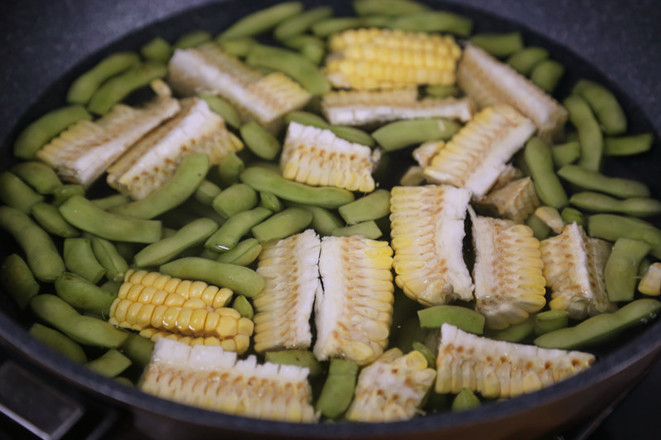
(477,154)
(514,201)
(369,59)
(427,230)
(574,270)
(353,311)
(498,369)
(152,161)
(424,153)
(355,107)
(488,82)
(264,98)
(213,379)
(650,283)
(290,268)
(392,388)
(318,157)
(509,283)
(82,153)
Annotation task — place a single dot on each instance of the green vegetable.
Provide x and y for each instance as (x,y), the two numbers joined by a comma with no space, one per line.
(84,86)
(499,45)
(465,400)
(621,271)
(79,258)
(337,393)
(300,358)
(18,281)
(550,320)
(593,180)
(41,177)
(634,206)
(461,317)
(49,218)
(58,342)
(547,75)
(612,227)
(157,50)
(261,21)
(605,106)
(282,224)
(589,134)
(297,24)
(525,60)
(108,256)
(538,158)
(110,364)
(83,295)
(229,234)
(260,141)
(628,145)
(16,193)
(399,134)
(371,207)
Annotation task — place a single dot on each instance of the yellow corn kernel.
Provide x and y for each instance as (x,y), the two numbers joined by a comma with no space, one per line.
(515,201)
(426,152)
(650,283)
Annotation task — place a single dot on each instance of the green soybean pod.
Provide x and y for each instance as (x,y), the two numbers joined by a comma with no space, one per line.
(323,220)
(434,21)
(628,145)
(370,207)
(387,7)
(16,193)
(243,306)
(570,215)
(539,228)
(262,20)
(244,253)
(352,134)
(229,234)
(192,39)
(206,192)
(237,46)
(613,227)
(334,25)
(229,168)
(166,249)
(499,45)
(79,258)
(41,177)
(399,134)
(270,201)
(547,75)
(282,224)
(64,192)
(39,132)
(84,86)
(41,254)
(137,348)
(18,281)
(461,317)
(426,352)
(120,86)
(110,201)
(550,320)
(237,198)
(306,118)
(441,91)
(110,364)
(157,50)
(84,215)
(593,180)
(337,391)
(367,229)
(83,295)
(634,206)
(299,23)
(525,60)
(590,137)
(465,400)
(621,271)
(222,108)
(260,141)
(241,280)
(58,342)
(605,106)
(299,358)
(515,332)
(49,218)
(538,158)
(107,255)
(565,154)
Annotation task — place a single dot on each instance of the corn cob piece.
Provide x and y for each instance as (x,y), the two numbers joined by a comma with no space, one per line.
(514,201)
(413,176)
(213,379)
(426,152)
(509,174)
(489,82)
(498,369)
(355,107)
(477,154)
(290,268)
(316,156)
(427,230)
(369,59)
(83,152)
(574,269)
(650,283)
(392,388)
(354,309)
(264,98)
(151,162)
(509,284)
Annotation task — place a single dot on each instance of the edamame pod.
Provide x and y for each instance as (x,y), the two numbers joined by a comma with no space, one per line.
(262,20)
(281,225)
(593,180)
(299,23)
(612,227)
(465,400)
(323,220)
(621,271)
(138,349)
(524,60)
(605,106)
(426,352)
(38,175)
(243,254)
(634,206)
(83,295)
(368,229)
(229,168)
(108,256)
(550,320)
(270,201)
(371,207)
(570,215)
(338,389)
(539,229)
(79,258)
(229,234)
(441,91)
(260,141)
(538,158)
(64,192)
(18,281)
(434,21)
(566,153)
(242,305)
(49,218)
(58,342)
(515,332)
(84,86)
(16,193)
(110,201)
(589,134)
(547,75)
(461,317)
(192,39)
(157,50)
(110,364)
(238,46)
(326,28)
(387,7)
(628,145)
(206,192)
(237,198)
(222,108)
(400,134)
(352,134)
(300,358)
(499,45)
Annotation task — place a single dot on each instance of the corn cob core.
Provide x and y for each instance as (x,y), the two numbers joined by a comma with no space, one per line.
(501,369)
(317,157)
(213,379)
(368,59)
(507,175)
(424,153)
(650,283)
(264,98)
(354,309)
(574,269)
(290,268)
(509,284)
(153,160)
(82,152)
(514,201)
(489,82)
(427,230)
(392,388)
(159,306)
(357,107)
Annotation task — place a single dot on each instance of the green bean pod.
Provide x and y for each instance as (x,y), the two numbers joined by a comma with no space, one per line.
(242,305)
(41,177)
(387,7)
(613,227)
(237,198)
(399,134)
(499,45)
(605,106)
(465,400)
(260,141)
(110,364)
(262,20)
(137,348)
(461,317)
(426,352)
(323,220)
(192,39)
(352,134)
(229,168)
(371,207)
(515,332)
(547,75)
(222,108)
(110,201)
(238,46)
(244,253)
(299,23)
(157,50)
(79,258)
(441,91)
(566,153)
(49,218)
(367,229)
(18,281)
(525,60)
(550,320)
(539,228)
(434,21)
(593,180)
(329,26)
(64,192)
(109,257)
(634,206)
(300,358)
(621,271)
(338,389)
(590,137)
(628,145)
(282,225)
(538,158)
(229,234)
(84,86)
(206,192)
(16,193)
(58,342)
(83,295)
(570,215)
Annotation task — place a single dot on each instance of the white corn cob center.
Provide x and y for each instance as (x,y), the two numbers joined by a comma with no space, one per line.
(515,201)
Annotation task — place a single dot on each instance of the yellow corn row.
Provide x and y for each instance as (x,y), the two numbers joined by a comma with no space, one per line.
(477,154)
(574,269)
(290,269)
(509,283)
(427,230)
(213,379)
(264,98)
(354,309)
(152,161)
(194,312)
(356,107)
(369,59)
(82,153)
(426,152)
(514,201)
(392,388)
(498,369)
(489,82)
(317,157)
(650,283)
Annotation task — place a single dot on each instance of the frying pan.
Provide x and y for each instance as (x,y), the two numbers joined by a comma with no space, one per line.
(47,44)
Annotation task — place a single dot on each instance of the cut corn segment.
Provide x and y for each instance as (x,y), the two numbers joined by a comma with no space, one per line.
(499,369)
(574,270)
(392,388)
(355,107)
(650,283)
(318,157)
(83,152)
(477,154)
(264,98)
(152,161)
(290,268)
(426,152)
(515,201)
(369,59)
(509,283)
(488,82)
(354,309)
(427,230)
(509,174)
(213,379)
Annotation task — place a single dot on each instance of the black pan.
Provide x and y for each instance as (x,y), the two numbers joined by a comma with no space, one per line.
(47,44)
